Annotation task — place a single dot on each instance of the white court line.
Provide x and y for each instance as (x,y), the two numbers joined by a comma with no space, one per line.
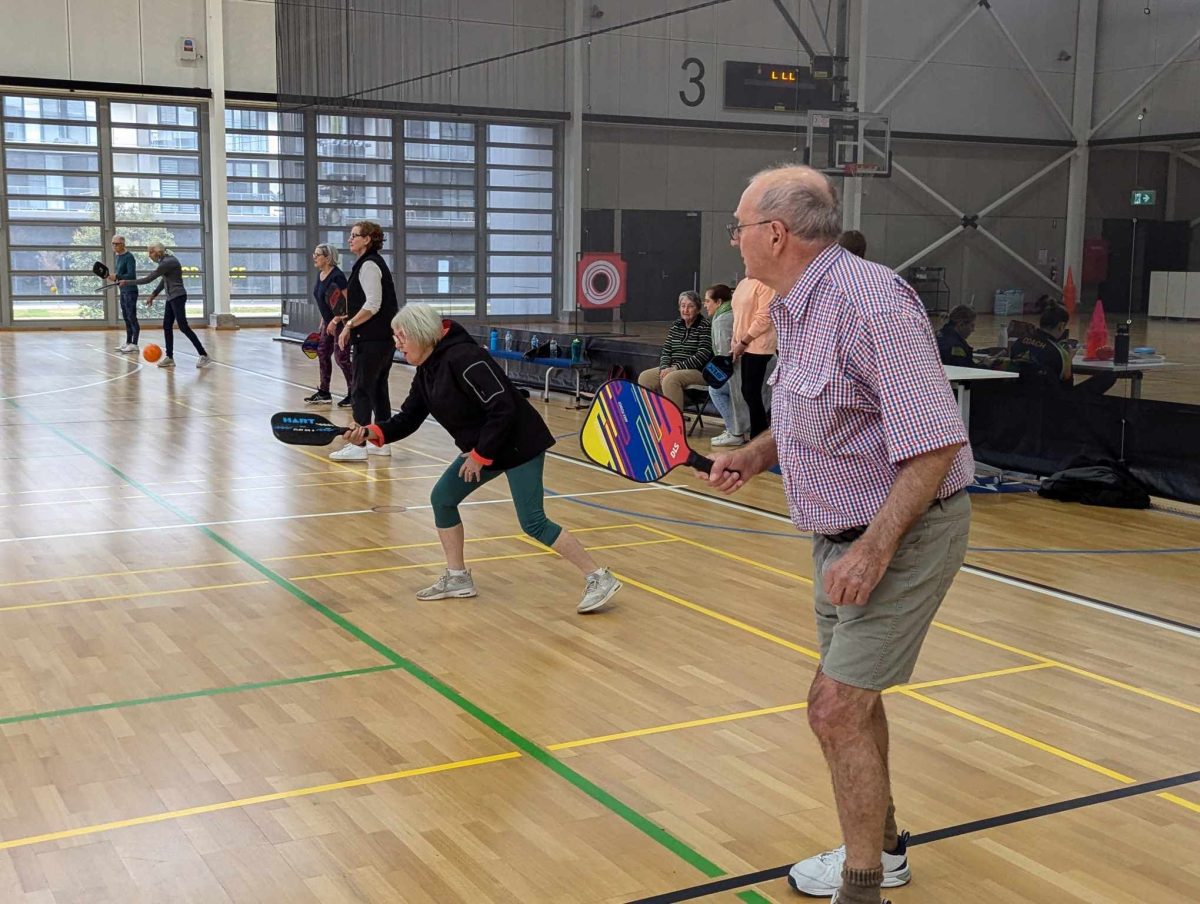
(30,395)
(189,524)
(1000,579)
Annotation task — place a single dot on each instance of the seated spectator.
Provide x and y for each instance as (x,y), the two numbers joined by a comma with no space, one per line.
(1042,354)
(952,338)
(854,242)
(728,398)
(686,351)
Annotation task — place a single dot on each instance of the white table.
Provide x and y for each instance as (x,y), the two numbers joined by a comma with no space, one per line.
(1131,371)
(961,379)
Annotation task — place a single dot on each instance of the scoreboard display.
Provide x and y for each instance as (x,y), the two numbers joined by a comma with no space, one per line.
(778,87)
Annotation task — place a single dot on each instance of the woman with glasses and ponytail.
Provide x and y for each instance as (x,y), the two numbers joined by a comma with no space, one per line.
(370,306)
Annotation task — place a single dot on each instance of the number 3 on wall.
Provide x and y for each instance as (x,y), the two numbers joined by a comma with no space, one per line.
(694,80)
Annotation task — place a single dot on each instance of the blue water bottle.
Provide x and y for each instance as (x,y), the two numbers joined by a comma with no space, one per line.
(493,340)
(576,350)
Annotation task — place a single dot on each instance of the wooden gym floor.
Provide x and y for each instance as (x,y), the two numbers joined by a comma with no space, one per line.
(217,685)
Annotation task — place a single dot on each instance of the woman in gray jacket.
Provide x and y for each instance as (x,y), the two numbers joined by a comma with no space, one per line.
(169,272)
(728,399)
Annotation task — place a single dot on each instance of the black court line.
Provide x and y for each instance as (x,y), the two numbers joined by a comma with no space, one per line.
(979,825)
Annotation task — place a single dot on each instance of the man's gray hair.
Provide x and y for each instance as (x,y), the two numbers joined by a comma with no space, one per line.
(803,199)
(421,323)
(157,246)
(327,250)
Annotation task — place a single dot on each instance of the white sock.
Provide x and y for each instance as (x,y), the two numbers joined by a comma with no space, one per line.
(599,572)
(454,572)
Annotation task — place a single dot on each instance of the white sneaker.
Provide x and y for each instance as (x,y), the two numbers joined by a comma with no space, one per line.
(598,590)
(456,586)
(123,347)
(349,452)
(132,347)
(203,361)
(821,876)
(728,439)
(166,362)
(378,450)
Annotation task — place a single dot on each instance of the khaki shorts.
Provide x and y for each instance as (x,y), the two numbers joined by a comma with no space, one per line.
(876,646)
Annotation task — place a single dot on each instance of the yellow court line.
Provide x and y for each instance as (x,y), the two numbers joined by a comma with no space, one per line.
(409,773)
(987,640)
(1104,679)
(305,555)
(728,555)
(771,710)
(130,596)
(248,801)
(1033,742)
(695,607)
(1176,799)
(1024,739)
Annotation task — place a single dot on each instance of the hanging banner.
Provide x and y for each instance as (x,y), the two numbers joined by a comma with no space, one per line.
(600,280)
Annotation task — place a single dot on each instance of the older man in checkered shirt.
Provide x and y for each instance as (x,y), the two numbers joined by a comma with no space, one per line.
(875,459)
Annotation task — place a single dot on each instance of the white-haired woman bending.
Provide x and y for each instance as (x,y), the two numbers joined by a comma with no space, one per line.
(169,273)
(497,431)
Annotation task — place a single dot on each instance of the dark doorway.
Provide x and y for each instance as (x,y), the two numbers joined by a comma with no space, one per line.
(662,252)
(1153,245)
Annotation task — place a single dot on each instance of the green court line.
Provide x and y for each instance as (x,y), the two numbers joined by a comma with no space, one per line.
(188,695)
(642,823)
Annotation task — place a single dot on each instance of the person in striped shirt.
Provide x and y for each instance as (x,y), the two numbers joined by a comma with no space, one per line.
(684,354)
(875,459)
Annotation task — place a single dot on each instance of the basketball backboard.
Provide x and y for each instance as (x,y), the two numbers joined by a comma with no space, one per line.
(849,144)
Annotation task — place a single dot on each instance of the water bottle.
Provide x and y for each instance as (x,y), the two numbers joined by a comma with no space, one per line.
(508,341)
(1121,344)
(534,341)
(553,348)
(1002,338)
(493,339)
(576,350)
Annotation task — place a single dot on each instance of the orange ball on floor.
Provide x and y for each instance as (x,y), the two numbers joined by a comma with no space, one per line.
(152,353)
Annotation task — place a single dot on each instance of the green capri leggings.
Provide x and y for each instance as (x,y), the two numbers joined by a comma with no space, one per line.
(525,484)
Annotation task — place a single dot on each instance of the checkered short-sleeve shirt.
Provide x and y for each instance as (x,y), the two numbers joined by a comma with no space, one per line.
(858,390)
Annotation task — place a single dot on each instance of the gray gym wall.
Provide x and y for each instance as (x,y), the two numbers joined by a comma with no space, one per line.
(975,85)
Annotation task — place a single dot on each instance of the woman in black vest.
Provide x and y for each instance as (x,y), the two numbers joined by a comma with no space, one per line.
(370,306)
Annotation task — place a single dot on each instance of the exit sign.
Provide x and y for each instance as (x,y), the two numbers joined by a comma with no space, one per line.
(1142,198)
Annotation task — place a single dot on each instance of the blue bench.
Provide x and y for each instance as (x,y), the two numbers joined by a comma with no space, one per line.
(551,365)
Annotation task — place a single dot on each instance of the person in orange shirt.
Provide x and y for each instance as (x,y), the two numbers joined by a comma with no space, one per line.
(754,344)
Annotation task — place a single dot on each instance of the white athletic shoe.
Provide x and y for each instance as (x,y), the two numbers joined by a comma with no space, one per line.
(166,362)
(821,876)
(598,590)
(378,450)
(727,439)
(123,347)
(132,347)
(455,586)
(203,361)
(349,452)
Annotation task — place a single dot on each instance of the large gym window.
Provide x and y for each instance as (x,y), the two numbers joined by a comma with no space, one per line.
(157,189)
(268,246)
(439,215)
(521,214)
(52,187)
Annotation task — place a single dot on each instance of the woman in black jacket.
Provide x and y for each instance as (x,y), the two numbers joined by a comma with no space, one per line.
(497,431)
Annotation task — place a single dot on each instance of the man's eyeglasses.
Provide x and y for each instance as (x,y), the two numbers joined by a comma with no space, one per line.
(733,228)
